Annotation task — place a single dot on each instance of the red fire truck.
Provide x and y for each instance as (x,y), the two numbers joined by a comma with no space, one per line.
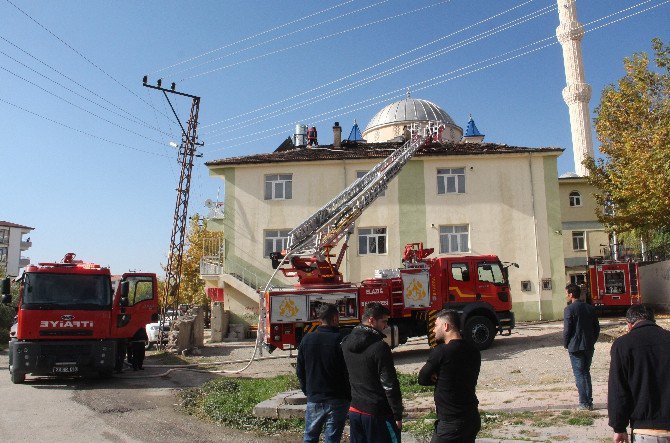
(72,321)
(613,284)
(477,286)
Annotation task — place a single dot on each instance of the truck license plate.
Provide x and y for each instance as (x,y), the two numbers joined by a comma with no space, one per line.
(65,369)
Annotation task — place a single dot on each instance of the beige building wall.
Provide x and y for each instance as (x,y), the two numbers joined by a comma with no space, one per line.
(510,205)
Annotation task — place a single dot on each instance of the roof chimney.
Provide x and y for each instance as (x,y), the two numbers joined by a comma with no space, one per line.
(337,135)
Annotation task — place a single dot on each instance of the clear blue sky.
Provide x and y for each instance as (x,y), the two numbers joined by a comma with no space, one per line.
(114,204)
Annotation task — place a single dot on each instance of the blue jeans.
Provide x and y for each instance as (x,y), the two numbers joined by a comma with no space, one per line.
(329,416)
(581,367)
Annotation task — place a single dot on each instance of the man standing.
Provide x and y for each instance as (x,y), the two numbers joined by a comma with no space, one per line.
(639,380)
(375,415)
(323,378)
(453,368)
(580,333)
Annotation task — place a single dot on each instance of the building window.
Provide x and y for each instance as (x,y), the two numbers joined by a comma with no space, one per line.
(578,279)
(451,181)
(575,198)
(360,174)
(578,241)
(275,241)
(454,239)
(279,187)
(3,254)
(371,241)
(4,235)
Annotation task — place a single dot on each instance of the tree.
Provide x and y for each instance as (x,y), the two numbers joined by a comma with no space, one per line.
(633,126)
(198,239)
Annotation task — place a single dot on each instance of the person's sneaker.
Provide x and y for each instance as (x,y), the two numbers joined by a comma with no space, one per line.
(585,407)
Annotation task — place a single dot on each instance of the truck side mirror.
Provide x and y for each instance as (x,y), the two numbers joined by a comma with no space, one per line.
(123,301)
(6,291)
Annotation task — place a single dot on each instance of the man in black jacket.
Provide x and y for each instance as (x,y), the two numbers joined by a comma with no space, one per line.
(580,333)
(639,380)
(453,368)
(375,415)
(324,379)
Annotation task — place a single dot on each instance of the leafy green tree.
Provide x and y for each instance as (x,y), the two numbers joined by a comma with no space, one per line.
(633,126)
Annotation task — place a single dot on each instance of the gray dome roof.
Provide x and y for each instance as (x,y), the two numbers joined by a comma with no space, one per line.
(409,110)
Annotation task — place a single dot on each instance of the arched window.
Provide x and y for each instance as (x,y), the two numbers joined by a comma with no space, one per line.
(575,198)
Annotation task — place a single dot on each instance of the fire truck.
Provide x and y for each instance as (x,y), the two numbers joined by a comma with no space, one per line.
(477,286)
(71,320)
(613,284)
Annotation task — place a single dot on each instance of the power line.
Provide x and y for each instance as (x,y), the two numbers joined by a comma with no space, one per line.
(279,37)
(82,55)
(312,41)
(255,35)
(79,107)
(318,98)
(79,130)
(81,95)
(70,79)
(369,67)
(422,85)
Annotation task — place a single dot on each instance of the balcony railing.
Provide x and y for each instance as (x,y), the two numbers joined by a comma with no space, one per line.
(26,245)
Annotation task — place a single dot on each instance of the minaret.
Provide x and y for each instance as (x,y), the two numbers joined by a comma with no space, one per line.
(577,92)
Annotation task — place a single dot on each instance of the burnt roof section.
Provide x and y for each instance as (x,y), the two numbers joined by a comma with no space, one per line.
(373,150)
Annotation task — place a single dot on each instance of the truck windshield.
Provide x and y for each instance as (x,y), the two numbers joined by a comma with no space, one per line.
(491,272)
(66,291)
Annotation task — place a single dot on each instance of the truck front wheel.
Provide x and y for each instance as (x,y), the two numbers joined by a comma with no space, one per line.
(17,377)
(479,331)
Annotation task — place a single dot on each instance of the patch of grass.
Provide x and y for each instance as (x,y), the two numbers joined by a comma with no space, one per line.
(230,401)
(165,358)
(538,419)
(421,427)
(410,387)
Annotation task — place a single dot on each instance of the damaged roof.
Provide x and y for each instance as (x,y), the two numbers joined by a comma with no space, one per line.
(352,151)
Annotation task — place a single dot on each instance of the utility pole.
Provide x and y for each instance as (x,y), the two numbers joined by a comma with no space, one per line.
(187,150)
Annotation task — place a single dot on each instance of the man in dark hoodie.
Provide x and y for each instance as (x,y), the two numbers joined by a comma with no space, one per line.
(580,333)
(375,414)
(453,368)
(323,378)
(639,381)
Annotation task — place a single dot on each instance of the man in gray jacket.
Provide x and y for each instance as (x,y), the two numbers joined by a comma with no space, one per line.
(580,333)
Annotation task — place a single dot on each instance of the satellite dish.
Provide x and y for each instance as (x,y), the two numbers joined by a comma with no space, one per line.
(209,203)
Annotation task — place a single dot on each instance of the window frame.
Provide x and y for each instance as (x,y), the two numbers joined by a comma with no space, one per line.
(575,199)
(459,238)
(4,236)
(4,254)
(441,175)
(576,235)
(372,234)
(278,179)
(279,237)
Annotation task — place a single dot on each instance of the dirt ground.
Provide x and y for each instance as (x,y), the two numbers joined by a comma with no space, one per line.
(527,371)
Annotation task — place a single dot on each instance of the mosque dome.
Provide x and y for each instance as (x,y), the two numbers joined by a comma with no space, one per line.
(391,119)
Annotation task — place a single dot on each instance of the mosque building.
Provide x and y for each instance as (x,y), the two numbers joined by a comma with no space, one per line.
(460,196)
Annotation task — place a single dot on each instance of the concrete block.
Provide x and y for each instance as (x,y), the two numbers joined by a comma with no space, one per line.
(296,398)
(267,409)
(291,411)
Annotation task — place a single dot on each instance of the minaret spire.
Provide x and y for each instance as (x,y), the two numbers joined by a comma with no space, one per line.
(577,92)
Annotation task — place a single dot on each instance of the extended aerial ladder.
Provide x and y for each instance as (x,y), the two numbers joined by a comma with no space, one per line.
(310,243)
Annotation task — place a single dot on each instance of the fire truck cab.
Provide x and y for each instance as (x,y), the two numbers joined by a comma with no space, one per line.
(71,321)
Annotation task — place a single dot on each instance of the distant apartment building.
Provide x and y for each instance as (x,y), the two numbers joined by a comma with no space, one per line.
(12,245)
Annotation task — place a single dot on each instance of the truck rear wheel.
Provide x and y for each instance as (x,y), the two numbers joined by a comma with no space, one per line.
(479,331)
(17,377)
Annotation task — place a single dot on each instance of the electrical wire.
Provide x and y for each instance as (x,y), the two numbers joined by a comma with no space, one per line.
(311,41)
(80,95)
(267,31)
(123,145)
(72,80)
(422,85)
(80,107)
(82,55)
(393,70)
(309,91)
(300,30)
